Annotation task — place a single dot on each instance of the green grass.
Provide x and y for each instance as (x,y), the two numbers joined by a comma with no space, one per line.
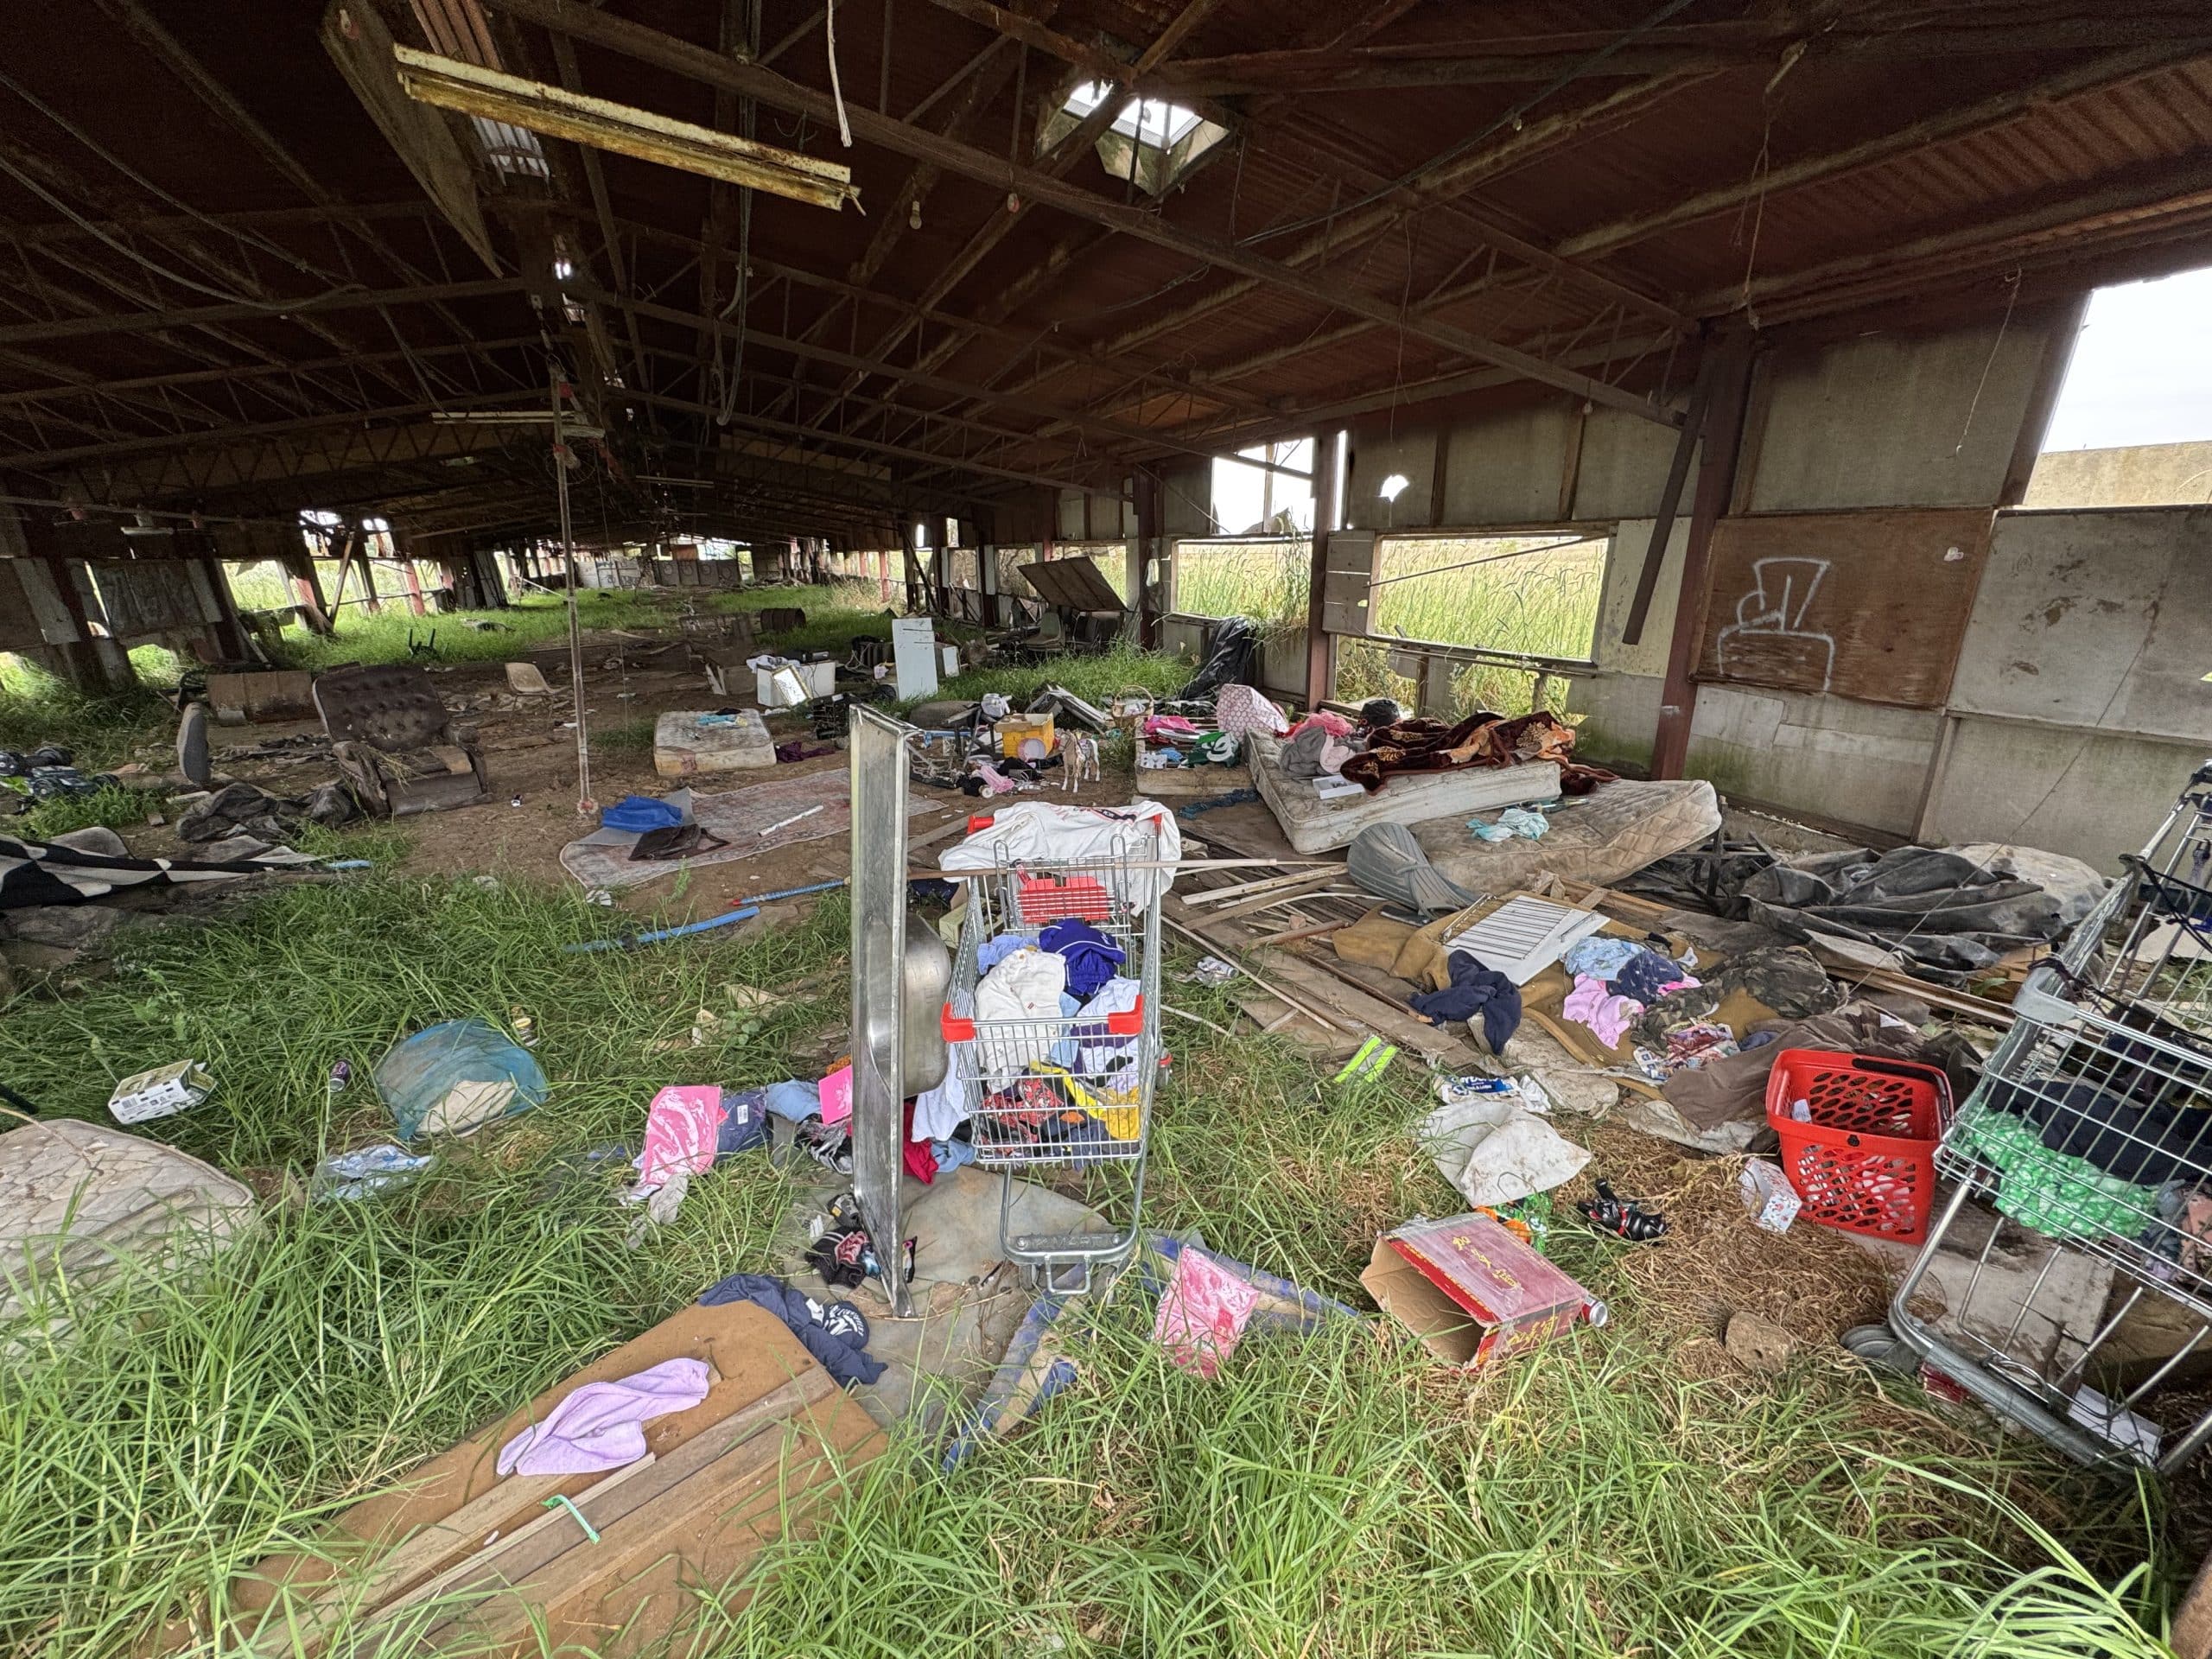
(99,730)
(1536,602)
(382,637)
(117,807)
(1333,1495)
(1093,678)
(836,614)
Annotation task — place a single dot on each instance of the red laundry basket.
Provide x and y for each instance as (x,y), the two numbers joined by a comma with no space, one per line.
(1864,1157)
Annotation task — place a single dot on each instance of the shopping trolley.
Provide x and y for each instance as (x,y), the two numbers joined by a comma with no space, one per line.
(2092,1126)
(1064,1089)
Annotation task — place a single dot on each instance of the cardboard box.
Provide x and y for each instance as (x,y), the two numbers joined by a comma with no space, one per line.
(163,1092)
(768,1398)
(1471,1292)
(1016,730)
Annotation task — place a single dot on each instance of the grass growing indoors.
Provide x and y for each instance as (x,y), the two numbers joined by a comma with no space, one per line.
(1332,1496)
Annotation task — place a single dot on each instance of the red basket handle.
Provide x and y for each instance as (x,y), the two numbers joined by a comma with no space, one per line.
(955,1029)
(1130,1024)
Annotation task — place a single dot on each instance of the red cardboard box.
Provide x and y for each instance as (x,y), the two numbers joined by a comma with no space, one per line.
(1470,1290)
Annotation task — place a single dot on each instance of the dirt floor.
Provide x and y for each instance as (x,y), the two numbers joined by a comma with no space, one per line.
(530,748)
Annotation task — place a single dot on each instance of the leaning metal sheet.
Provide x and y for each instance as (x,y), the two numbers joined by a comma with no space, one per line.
(877,745)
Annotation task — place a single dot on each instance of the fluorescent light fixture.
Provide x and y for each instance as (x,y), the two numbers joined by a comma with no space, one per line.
(451,84)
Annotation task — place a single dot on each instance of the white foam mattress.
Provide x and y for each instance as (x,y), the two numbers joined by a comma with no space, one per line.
(1314,825)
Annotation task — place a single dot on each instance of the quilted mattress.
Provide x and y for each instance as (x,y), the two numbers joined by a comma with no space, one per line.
(1314,825)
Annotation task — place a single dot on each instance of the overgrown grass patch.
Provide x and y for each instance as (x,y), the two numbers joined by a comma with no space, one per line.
(1336,1494)
(383,636)
(100,730)
(115,807)
(1095,678)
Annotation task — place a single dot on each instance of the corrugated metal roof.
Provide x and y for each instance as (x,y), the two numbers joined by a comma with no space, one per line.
(1060,340)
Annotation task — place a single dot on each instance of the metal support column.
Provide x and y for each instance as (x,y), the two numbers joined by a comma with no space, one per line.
(1716,482)
(1320,658)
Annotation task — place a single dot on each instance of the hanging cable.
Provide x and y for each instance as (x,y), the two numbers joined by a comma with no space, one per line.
(830,32)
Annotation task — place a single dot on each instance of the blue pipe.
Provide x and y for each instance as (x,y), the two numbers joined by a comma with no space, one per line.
(744,912)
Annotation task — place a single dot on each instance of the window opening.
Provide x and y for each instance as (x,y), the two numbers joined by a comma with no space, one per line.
(1268,489)
(2132,423)
(1150,141)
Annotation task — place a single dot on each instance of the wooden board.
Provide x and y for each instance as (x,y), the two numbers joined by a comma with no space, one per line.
(1866,605)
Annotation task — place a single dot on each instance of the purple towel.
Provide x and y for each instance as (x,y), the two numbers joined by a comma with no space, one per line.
(600,1426)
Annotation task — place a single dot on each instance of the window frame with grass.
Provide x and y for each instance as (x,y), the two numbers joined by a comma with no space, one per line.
(1467,673)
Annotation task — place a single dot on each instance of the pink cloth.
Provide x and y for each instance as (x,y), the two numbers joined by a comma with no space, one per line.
(1239,711)
(1609,1016)
(1328,719)
(681,1126)
(837,1095)
(601,1425)
(1169,728)
(1203,1313)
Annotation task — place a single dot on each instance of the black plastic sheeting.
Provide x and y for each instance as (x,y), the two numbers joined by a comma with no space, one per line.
(1951,914)
(1235,642)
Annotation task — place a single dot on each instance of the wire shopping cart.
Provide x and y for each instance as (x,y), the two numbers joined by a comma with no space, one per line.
(2092,1126)
(1064,1089)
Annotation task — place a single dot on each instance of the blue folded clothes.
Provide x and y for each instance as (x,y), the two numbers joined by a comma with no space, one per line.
(1090,956)
(639,813)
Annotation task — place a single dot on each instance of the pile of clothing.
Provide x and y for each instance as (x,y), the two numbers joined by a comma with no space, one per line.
(1031,1078)
(1481,740)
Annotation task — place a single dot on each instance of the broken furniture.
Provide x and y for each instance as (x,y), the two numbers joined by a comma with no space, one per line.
(613,1561)
(274,694)
(1083,611)
(397,746)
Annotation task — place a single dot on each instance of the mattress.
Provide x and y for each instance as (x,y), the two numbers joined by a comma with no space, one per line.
(1613,831)
(1314,825)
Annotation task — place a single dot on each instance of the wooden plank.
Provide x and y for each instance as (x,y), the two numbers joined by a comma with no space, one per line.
(1869,605)
(699,1464)
(1259,895)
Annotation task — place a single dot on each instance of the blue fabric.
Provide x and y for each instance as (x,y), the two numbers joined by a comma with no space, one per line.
(417,1073)
(842,1352)
(1643,974)
(793,1099)
(992,952)
(1090,956)
(640,813)
(951,1155)
(1599,958)
(1475,993)
(747,1126)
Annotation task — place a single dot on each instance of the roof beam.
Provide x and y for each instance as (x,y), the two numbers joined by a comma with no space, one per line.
(143,322)
(668,52)
(2165,201)
(92,388)
(1116,431)
(1867,34)
(822,435)
(1947,126)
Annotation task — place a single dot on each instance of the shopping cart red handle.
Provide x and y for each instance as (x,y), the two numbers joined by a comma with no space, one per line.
(959,1029)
